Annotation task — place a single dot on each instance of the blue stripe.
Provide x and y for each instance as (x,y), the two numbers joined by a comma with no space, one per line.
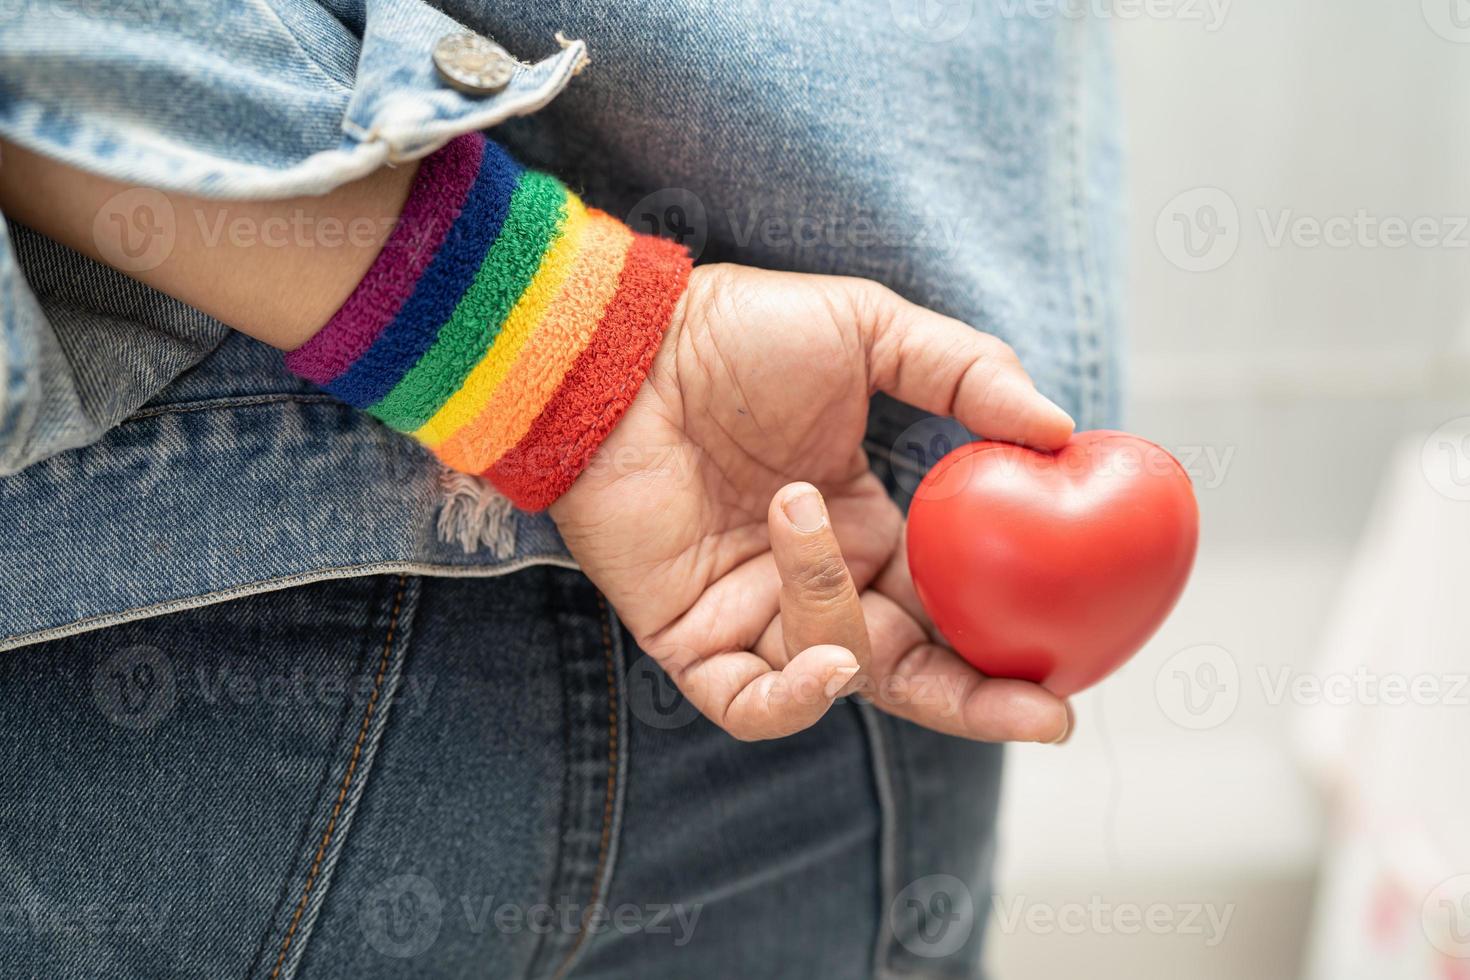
(450,273)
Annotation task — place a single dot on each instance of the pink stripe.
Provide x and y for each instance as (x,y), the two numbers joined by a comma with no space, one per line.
(439,191)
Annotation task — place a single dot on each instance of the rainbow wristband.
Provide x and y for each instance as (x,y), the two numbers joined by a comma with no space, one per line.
(505,324)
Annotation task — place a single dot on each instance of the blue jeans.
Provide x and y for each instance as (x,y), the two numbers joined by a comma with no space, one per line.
(437,777)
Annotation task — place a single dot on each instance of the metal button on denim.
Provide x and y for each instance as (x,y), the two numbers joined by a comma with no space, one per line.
(473,64)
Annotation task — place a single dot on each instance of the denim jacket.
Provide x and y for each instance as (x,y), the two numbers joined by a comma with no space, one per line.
(152,460)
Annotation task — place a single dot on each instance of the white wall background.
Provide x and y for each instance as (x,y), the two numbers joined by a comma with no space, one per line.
(1291,369)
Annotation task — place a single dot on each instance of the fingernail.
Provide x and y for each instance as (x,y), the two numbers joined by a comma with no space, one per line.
(805,511)
(1057,410)
(1066,732)
(838,681)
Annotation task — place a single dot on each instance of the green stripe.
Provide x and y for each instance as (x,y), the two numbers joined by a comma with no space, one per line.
(533,221)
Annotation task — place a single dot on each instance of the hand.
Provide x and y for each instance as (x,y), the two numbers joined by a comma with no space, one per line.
(764,602)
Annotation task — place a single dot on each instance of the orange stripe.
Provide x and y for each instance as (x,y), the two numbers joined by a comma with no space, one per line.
(540,294)
(565,330)
(604,381)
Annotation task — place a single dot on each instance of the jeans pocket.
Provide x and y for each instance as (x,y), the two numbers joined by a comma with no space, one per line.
(178,789)
(488,834)
(368,691)
(938,797)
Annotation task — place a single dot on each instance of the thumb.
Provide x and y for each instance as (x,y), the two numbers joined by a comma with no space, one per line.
(947,367)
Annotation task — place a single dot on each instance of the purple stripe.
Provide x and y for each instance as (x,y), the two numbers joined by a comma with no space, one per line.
(439,191)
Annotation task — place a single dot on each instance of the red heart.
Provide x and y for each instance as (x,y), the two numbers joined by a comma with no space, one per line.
(1052,567)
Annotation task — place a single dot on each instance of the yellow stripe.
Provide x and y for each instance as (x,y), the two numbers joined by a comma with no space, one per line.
(485,377)
(565,332)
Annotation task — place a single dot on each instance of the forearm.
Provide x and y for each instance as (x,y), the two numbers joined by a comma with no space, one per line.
(275,270)
(476,305)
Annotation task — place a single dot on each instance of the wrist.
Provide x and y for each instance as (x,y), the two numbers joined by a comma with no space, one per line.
(505,325)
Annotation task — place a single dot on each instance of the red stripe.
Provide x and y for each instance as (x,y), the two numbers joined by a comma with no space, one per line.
(602,381)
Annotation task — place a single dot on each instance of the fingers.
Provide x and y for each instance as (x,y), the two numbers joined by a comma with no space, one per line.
(819,602)
(929,684)
(825,637)
(834,641)
(943,366)
(789,686)
(742,694)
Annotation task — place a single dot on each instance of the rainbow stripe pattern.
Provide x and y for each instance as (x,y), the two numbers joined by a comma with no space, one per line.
(505,324)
